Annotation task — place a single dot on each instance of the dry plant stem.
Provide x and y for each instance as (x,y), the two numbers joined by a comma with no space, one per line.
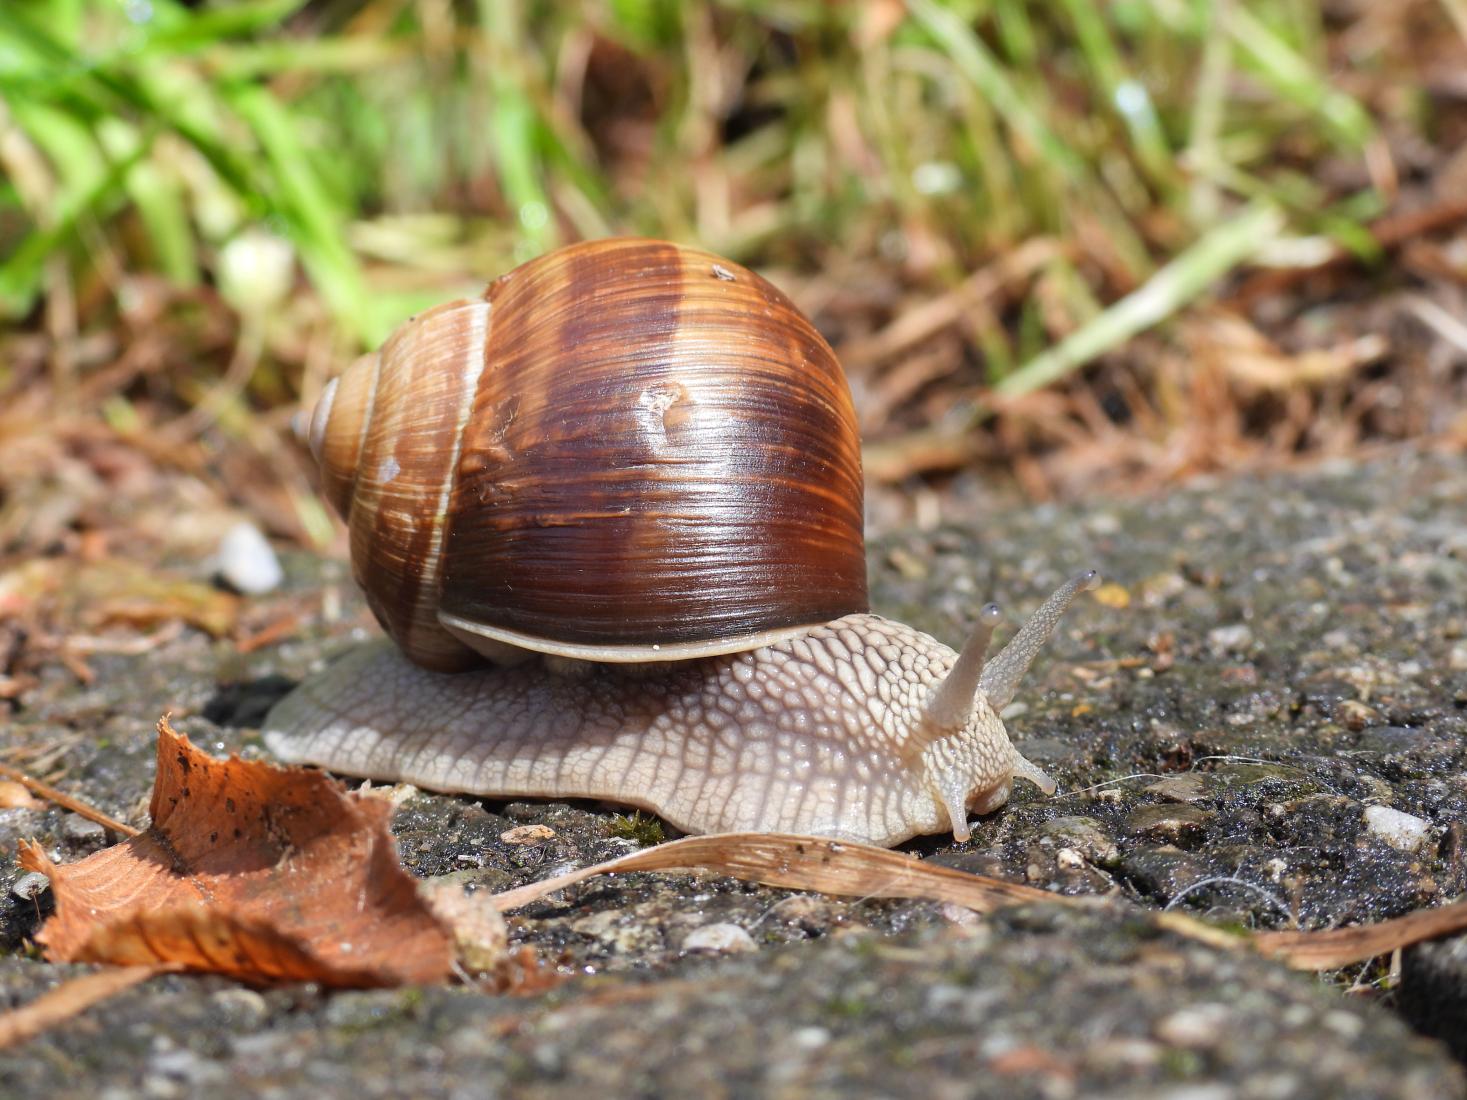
(859,870)
(247,351)
(66,801)
(1390,232)
(1343,946)
(920,451)
(1177,284)
(802,863)
(69,999)
(922,322)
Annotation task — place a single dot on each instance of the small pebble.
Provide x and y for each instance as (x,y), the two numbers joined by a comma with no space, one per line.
(1203,1025)
(722,939)
(256,271)
(1112,595)
(242,1008)
(959,915)
(807,912)
(1083,835)
(1345,1024)
(187,1067)
(1168,822)
(1180,788)
(30,886)
(1235,638)
(527,834)
(247,562)
(810,1038)
(1401,831)
(1158,589)
(76,827)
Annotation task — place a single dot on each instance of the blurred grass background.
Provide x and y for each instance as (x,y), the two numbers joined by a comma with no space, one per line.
(1072,237)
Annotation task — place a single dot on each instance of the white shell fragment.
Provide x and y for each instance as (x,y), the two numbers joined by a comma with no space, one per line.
(247,562)
(1402,831)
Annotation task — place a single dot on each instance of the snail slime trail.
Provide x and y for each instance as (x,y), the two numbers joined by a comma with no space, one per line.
(620,556)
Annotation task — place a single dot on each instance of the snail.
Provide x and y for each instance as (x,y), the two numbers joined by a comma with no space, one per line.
(610,516)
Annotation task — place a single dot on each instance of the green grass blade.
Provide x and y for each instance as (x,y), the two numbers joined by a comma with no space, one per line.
(1293,77)
(316,224)
(1124,94)
(105,92)
(1172,287)
(20,272)
(177,30)
(973,59)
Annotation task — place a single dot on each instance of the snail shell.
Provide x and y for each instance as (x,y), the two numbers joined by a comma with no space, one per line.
(626,450)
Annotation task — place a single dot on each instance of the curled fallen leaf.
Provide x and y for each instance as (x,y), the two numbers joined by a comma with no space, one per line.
(480,936)
(260,872)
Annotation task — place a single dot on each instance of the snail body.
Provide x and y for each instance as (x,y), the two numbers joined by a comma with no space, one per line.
(629,479)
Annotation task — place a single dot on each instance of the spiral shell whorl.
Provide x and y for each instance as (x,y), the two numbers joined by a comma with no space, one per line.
(387,450)
(647,453)
(663,455)
(338,425)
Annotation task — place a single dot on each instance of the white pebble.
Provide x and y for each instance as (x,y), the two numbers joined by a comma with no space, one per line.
(809,1038)
(256,271)
(1457,659)
(1235,638)
(247,562)
(1404,832)
(1196,1026)
(30,886)
(722,938)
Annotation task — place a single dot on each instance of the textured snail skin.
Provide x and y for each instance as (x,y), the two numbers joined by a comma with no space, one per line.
(821,734)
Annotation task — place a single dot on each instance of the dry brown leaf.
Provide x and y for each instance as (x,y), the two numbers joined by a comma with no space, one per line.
(1255,362)
(69,593)
(69,999)
(253,870)
(480,936)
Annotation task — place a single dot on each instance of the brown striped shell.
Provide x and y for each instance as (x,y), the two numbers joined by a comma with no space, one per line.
(626,451)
